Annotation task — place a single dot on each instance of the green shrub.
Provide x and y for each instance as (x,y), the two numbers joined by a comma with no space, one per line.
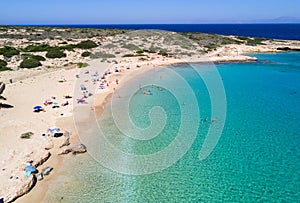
(143,59)
(252,42)
(86,54)
(163,53)
(139,51)
(46,47)
(36,57)
(88,44)
(37,48)
(128,55)
(3,63)
(30,63)
(4,68)
(55,53)
(131,47)
(26,135)
(82,65)
(255,41)
(69,47)
(9,51)
(133,55)
(211,47)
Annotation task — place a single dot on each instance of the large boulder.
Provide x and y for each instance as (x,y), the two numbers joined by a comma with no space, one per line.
(76,149)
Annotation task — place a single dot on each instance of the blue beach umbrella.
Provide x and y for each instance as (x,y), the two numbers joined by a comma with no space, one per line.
(27,174)
(37,108)
(30,169)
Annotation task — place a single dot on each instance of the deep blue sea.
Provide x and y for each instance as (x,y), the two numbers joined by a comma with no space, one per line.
(272,31)
(256,159)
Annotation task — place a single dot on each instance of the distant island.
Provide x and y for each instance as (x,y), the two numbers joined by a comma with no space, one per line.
(281,19)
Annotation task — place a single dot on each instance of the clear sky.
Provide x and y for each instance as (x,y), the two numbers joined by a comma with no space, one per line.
(143,11)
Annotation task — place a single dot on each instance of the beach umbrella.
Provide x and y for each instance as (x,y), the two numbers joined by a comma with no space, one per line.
(37,108)
(30,169)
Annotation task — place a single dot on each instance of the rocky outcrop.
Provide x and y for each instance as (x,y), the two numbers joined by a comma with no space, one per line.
(23,185)
(21,189)
(43,159)
(77,149)
(287,49)
(67,139)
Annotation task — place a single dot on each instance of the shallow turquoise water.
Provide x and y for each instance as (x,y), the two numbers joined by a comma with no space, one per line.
(257,158)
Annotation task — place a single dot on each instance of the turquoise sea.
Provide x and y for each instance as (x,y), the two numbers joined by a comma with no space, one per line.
(256,159)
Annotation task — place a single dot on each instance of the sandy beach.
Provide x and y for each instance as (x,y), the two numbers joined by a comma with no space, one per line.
(33,87)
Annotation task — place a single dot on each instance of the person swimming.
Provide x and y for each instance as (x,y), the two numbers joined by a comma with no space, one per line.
(147,92)
(213,120)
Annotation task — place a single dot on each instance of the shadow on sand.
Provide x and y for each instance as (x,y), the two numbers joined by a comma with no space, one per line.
(6,106)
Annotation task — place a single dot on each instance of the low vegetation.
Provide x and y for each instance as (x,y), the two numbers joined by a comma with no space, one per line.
(55,53)
(163,53)
(82,41)
(133,55)
(3,66)
(88,44)
(131,47)
(82,65)
(37,48)
(26,135)
(36,57)
(3,63)
(42,33)
(9,52)
(211,47)
(86,54)
(203,39)
(252,41)
(30,63)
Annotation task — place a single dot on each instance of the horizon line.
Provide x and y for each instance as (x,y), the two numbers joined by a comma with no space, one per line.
(215,23)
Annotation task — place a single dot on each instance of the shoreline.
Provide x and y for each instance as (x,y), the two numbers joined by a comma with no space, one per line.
(57,120)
